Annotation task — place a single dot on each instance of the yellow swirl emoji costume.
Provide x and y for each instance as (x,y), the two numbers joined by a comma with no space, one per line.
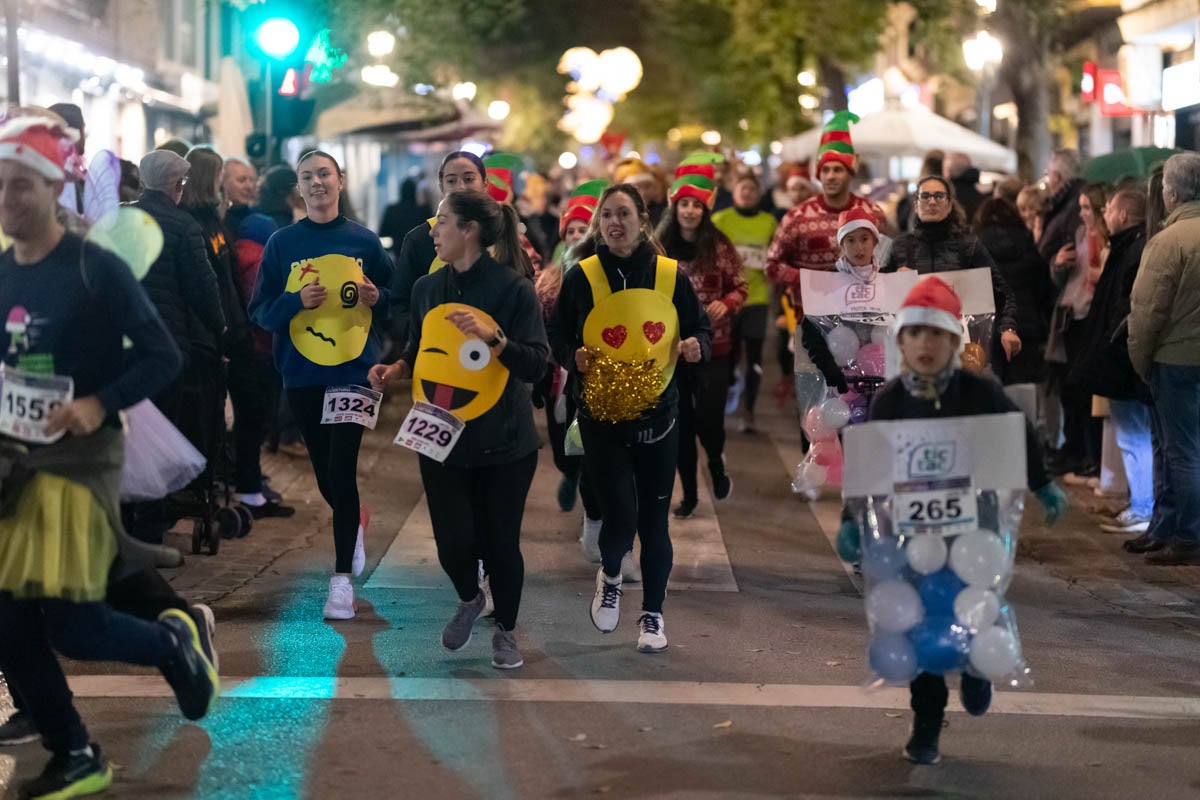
(454,370)
(336,331)
(633,335)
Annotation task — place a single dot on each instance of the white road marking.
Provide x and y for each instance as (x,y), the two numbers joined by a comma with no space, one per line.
(636,692)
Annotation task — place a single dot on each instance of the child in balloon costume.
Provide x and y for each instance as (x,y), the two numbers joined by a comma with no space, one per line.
(935,592)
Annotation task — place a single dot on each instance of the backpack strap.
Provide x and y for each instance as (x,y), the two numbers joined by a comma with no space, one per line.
(665,272)
(593,270)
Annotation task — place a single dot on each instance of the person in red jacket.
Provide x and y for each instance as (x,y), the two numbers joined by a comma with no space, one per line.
(712,264)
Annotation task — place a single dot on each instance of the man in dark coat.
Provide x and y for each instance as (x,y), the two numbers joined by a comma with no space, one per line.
(1062,208)
(958,171)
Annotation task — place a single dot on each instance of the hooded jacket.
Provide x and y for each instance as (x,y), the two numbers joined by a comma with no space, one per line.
(1164,318)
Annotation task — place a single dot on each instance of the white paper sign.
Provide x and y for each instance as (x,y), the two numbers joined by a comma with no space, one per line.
(356,404)
(26,400)
(430,431)
(835,294)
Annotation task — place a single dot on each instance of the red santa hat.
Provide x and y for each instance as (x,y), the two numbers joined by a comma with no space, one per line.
(853,219)
(40,143)
(932,303)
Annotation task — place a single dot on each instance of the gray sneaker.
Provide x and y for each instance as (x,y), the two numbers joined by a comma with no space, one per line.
(505,654)
(457,633)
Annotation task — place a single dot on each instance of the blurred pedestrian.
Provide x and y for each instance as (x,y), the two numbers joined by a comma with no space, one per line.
(958,170)
(1031,205)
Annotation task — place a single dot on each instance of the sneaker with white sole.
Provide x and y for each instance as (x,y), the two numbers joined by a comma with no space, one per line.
(606,604)
(589,540)
(651,638)
(631,568)
(360,551)
(340,603)
(1127,522)
(457,633)
(485,589)
(18,729)
(505,654)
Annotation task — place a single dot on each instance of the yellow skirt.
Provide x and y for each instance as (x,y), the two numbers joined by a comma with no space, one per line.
(57,543)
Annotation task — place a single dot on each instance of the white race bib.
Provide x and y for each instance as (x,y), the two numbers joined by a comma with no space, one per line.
(26,400)
(753,256)
(430,431)
(356,404)
(933,492)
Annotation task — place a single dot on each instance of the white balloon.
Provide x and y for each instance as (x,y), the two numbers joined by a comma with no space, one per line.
(926,553)
(843,344)
(894,606)
(879,334)
(979,559)
(835,414)
(976,608)
(810,476)
(994,653)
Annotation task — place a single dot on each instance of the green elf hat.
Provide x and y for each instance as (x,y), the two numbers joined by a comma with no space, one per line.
(693,185)
(702,162)
(835,141)
(506,166)
(582,203)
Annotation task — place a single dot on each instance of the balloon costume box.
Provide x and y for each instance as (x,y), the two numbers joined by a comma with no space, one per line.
(938,503)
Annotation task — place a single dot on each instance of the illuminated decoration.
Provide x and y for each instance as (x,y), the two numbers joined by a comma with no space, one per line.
(380,43)
(983,51)
(324,58)
(711,138)
(380,75)
(464,91)
(72,54)
(806,79)
(674,135)
(278,37)
(499,110)
(597,79)
(1087,86)
(808,102)
(568,160)
(424,89)
(776,147)
(867,98)
(1181,86)
(1112,94)
(289,87)
(587,117)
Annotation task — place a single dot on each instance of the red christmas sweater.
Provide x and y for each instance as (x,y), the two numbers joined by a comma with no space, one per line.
(724,283)
(807,239)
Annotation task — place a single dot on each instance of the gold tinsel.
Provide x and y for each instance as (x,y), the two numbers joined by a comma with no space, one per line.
(616,391)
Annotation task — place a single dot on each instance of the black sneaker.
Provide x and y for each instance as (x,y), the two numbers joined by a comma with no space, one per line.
(1143,544)
(269,493)
(19,729)
(722,486)
(568,488)
(70,776)
(922,747)
(188,670)
(686,508)
(271,508)
(975,694)
(1176,553)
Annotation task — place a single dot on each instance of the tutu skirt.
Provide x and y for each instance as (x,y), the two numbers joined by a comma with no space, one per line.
(159,459)
(57,543)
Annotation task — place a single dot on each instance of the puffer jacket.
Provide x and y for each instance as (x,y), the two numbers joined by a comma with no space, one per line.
(181,283)
(1164,318)
(1026,274)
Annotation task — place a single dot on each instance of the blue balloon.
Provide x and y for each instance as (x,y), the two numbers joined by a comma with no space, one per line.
(941,644)
(893,657)
(883,559)
(938,590)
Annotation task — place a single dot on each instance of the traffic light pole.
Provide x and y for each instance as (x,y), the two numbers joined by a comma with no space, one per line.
(12,23)
(268,96)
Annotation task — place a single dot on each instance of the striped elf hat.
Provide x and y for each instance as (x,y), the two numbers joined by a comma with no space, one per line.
(835,141)
(582,203)
(701,162)
(504,167)
(695,185)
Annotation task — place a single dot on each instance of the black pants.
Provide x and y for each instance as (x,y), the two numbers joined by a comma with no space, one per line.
(702,390)
(571,467)
(251,390)
(928,696)
(749,332)
(478,512)
(1082,435)
(333,451)
(632,469)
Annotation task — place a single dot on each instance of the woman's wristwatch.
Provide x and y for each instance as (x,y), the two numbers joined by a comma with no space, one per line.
(498,339)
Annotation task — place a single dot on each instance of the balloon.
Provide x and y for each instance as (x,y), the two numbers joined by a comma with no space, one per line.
(938,592)
(810,476)
(850,397)
(994,653)
(835,413)
(979,559)
(132,234)
(860,410)
(843,344)
(926,553)
(829,455)
(941,643)
(894,606)
(879,335)
(892,657)
(814,427)
(883,559)
(871,359)
(976,608)
(973,356)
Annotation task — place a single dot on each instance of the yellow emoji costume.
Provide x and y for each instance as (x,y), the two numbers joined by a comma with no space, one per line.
(334,332)
(456,371)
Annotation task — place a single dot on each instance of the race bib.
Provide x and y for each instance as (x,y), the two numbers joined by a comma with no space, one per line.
(933,491)
(430,431)
(26,400)
(356,404)
(753,256)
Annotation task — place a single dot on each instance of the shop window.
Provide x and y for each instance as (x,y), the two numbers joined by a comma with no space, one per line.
(182,32)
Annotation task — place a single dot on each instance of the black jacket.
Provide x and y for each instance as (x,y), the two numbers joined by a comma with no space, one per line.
(1060,221)
(181,283)
(219,245)
(416,255)
(1102,366)
(966,395)
(635,272)
(967,193)
(505,432)
(938,247)
(1028,276)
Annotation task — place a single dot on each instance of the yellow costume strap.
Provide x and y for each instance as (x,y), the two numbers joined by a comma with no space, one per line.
(664,276)
(593,270)
(437,263)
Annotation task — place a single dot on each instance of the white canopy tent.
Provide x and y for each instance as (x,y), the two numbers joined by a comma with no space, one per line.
(909,132)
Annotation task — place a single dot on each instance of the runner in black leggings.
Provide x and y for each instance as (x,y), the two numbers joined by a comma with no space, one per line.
(321,288)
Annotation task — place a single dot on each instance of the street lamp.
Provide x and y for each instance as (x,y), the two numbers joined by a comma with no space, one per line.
(983,55)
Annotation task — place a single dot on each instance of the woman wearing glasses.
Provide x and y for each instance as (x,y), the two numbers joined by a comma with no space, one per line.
(941,242)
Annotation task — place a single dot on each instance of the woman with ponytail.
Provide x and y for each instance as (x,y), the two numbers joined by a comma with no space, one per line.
(476,340)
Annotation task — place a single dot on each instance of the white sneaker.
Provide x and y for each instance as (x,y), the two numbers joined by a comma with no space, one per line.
(631,569)
(360,551)
(1127,522)
(485,587)
(340,603)
(651,638)
(606,604)
(590,539)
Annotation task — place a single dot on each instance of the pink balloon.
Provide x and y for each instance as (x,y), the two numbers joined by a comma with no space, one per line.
(871,359)
(813,427)
(829,455)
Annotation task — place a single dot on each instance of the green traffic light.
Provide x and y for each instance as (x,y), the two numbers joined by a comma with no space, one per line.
(278,37)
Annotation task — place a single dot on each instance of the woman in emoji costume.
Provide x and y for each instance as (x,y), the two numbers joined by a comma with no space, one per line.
(477,340)
(322,283)
(623,319)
